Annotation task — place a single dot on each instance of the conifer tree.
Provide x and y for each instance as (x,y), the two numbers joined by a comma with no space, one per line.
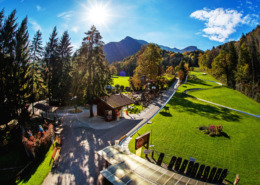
(36,54)
(8,94)
(65,51)
(97,70)
(22,56)
(2,62)
(232,62)
(51,60)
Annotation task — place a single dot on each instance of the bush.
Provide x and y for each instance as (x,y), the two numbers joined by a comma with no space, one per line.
(212,130)
(38,145)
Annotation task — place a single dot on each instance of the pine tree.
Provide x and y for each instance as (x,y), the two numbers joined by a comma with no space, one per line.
(51,58)
(1,28)
(8,94)
(65,51)
(8,34)
(36,54)
(2,62)
(232,62)
(98,75)
(22,64)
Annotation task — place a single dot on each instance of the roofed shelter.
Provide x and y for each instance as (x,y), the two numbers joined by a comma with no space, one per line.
(111,107)
(126,168)
(47,109)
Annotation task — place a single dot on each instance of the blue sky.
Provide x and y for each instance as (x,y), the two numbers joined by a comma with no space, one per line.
(173,23)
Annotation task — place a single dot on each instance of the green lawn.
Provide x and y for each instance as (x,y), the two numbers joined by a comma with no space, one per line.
(175,133)
(121,80)
(39,172)
(230,98)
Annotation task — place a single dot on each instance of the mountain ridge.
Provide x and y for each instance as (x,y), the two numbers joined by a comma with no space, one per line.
(117,51)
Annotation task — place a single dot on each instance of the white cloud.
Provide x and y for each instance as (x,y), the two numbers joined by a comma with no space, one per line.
(65,15)
(38,8)
(35,25)
(75,29)
(220,23)
(252,19)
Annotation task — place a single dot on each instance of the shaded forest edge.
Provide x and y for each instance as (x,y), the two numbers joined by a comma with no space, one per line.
(236,64)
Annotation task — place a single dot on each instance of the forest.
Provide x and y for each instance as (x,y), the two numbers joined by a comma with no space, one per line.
(168,59)
(236,64)
(30,71)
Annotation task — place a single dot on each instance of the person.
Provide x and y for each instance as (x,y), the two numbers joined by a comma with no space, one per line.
(30,135)
(41,130)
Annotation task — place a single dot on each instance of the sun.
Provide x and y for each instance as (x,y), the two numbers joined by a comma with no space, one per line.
(98,13)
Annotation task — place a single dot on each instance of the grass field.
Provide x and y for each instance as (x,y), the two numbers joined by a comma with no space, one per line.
(230,98)
(39,172)
(175,133)
(121,80)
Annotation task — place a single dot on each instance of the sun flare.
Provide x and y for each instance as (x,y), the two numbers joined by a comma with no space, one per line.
(98,14)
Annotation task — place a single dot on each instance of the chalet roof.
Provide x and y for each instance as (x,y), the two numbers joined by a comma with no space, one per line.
(116,100)
(45,107)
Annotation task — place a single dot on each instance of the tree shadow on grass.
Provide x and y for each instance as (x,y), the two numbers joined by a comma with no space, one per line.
(225,135)
(196,81)
(181,103)
(166,111)
(166,114)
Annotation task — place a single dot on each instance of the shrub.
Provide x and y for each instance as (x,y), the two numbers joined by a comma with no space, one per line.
(39,144)
(212,130)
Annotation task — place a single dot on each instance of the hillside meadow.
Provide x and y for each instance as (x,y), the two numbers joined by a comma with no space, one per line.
(175,132)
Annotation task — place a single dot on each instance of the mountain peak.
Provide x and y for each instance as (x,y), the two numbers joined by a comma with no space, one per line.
(116,51)
(127,37)
(190,48)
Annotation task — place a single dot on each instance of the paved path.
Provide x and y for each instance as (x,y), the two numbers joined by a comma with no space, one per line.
(79,161)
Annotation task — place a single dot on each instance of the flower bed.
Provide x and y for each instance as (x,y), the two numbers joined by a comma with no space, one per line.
(212,130)
(36,144)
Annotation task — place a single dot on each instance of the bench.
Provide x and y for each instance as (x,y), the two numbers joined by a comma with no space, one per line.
(55,156)
(53,153)
(58,140)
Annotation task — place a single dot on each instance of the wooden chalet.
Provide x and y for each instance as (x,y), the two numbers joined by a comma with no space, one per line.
(111,107)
